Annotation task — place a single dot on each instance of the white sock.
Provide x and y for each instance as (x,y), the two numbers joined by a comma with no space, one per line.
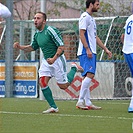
(84,87)
(87,98)
(131,101)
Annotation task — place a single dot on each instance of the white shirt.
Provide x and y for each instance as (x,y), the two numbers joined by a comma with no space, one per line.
(87,23)
(4,11)
(128,37)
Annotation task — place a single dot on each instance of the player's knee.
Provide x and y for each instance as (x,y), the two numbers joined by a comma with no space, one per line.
(63,86)
(42,82)
(90,75)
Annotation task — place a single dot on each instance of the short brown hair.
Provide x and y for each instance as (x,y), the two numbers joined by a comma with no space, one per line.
(44,15)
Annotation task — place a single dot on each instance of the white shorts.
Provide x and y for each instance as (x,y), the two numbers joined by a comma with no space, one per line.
(57,70)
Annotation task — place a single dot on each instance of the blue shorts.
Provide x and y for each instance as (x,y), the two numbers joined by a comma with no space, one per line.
(88,64)
(129,60)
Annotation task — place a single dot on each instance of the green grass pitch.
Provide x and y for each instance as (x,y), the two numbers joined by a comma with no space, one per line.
(20,115)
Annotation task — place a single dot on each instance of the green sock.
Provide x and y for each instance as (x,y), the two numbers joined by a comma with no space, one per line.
(48,96)
(71,74)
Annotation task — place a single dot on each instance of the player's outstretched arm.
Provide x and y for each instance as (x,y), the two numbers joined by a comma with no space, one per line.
(4,11)
(26,48)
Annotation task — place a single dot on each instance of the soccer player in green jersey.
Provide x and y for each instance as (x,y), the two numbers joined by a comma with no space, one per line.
(54,63)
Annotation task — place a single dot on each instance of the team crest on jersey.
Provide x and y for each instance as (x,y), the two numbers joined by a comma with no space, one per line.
(90,68)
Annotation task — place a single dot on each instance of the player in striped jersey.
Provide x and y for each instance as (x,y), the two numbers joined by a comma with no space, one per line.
(54,63)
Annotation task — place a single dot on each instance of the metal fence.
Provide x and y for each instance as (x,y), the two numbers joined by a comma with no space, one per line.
(109,30)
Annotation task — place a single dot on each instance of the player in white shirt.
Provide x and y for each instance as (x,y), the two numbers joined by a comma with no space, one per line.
(87,22)
(4,11)
(87,53)
(127,39)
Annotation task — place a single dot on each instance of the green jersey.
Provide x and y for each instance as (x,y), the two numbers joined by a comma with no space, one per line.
(49,39)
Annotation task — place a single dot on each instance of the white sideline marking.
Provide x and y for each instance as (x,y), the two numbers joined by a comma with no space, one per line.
(66,115)
(111,102)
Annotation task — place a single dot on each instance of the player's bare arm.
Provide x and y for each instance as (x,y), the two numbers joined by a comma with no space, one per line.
(26,48)
(122,38)
(60,50)
(99,42)
(83,39)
